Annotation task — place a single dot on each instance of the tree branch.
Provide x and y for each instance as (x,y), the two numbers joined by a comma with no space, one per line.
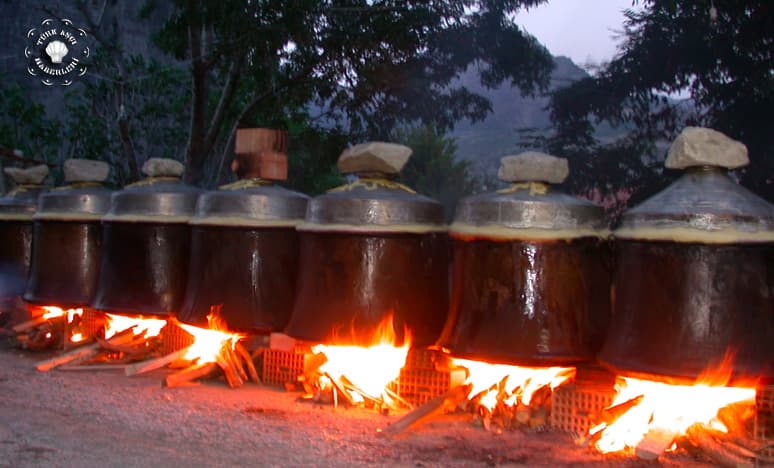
(234,73)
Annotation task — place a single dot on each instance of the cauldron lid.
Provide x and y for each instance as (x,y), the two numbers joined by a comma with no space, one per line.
(20,203)
(159,198)
(251,202)
(704,205)
(374,201)
(529,207)
(84,198)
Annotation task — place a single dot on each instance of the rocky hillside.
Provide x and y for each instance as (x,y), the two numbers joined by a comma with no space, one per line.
(499,134)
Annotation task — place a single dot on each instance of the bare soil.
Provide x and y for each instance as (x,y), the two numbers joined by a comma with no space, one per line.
(102,418)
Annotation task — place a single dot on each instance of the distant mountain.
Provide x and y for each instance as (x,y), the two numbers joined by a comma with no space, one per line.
(485,142)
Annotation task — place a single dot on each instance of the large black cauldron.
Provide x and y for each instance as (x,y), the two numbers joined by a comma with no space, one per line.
(530,281)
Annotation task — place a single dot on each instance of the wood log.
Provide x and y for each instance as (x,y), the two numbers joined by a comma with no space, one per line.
(235,361)
(431,408)
(83,352)
(610,414)
(147,366)
(398,398)
(701,438)
(655,442)
(232,379)
(29,324)
(242,352)
(340,387)
(136,346)
(93,367)
(189,374)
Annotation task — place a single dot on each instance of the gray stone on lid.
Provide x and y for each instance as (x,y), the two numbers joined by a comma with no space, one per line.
(375,156)
(34,175)
(163,167)
(698,146)
(533,166)
(85,170)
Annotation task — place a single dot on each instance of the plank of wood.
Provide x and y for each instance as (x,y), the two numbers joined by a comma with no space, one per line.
(242,352)
(428,410)
(83,351)
(153,364)
(185,376)
(93,367)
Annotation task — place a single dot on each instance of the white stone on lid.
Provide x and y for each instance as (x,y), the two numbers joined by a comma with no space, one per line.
(533,166)
(698,146)
(34,175)
(375,156)
(85,170)
(163,167)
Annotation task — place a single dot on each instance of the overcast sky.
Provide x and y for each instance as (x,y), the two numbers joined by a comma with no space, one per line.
(580,29)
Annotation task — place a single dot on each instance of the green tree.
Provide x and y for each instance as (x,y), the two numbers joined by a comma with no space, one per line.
(365,65)
(433,169)
(24,124)
(124,117)
(720,52)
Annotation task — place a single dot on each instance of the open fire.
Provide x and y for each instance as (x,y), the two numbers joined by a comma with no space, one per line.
(213,347)
(514,395)
(650,417)
(148,327)
(360,374)
(50,326)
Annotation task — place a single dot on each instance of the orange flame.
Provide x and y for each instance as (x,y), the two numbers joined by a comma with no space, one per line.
(209,341)
(372,367)
(669,408)
(150,327)
(521,383)
(51,312)
(54,312)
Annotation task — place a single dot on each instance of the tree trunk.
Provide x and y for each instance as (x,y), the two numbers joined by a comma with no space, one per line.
(196,152)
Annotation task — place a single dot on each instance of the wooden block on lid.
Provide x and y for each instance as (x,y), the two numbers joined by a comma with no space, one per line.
(257,140)
(272,165)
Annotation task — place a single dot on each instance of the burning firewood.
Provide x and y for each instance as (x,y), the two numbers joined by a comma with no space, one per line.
(84,352)
(434,407)
(242,352)
(147,366)
(701,436)
(655,443)
(232,376)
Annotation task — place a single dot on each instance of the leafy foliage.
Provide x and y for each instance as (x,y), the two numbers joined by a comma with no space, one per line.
(367,65)
(24,124)
(143,100)
(433,170)
(724,60)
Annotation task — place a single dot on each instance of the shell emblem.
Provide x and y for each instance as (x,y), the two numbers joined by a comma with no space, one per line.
(56,50)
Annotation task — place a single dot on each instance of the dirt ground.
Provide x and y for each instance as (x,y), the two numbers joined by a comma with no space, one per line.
(102,418)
